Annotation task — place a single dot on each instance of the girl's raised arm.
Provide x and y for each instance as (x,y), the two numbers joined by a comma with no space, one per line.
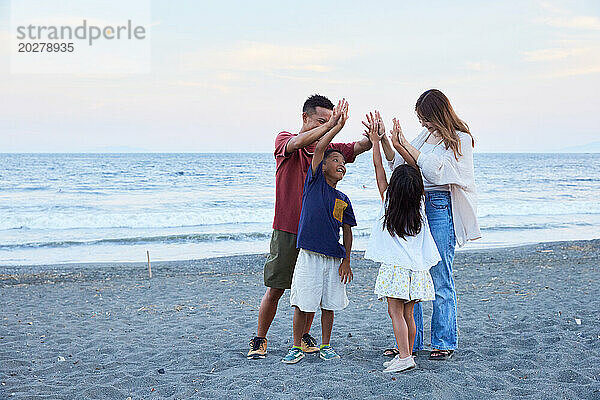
(388,150)
(373,132)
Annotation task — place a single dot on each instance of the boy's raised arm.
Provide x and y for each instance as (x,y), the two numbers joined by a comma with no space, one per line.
(340,113)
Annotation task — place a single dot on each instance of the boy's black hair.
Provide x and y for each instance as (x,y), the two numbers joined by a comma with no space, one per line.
(329,151)
(403,202)
(314,101)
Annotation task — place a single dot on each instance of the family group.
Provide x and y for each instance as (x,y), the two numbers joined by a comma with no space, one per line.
(427,208)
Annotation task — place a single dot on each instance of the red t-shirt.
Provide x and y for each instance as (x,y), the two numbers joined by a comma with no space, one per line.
(289,179)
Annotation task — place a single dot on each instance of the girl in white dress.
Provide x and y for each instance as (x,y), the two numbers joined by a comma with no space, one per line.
(400,240)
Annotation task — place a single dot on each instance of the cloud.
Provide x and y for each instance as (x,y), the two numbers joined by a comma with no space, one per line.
(575,71)
(551,7)
(263,57)
(479,66)
(554,53)
(563,18)
(200,84)
(312,79)
(566,61)
(575,48)
(574,22)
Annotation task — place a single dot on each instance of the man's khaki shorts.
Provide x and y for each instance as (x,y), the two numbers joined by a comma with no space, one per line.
(279,267)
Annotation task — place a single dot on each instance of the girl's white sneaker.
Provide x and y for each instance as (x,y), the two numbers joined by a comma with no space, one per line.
(387,363)
(400,364)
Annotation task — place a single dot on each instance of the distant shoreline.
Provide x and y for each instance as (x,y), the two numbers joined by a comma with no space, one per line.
(269,152)
(18,269)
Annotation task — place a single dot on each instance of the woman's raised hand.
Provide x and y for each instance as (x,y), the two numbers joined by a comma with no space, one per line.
(397,135)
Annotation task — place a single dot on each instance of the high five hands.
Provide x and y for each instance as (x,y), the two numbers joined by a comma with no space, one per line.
(339,116)
(373,129)
(398,139)
(376,122)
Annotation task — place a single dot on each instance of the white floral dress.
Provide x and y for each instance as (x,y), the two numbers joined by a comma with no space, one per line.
(405,263)
(402,283)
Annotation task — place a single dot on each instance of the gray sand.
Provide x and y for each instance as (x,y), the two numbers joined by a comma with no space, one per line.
(105,331)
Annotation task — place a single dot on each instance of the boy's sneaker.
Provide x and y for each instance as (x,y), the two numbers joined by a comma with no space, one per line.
(258,348)
(401,364)
(293,356)
(327,353)
(309,344)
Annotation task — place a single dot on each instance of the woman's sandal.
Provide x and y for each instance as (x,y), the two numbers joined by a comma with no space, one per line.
(391,352)
(440,355)
(394,352)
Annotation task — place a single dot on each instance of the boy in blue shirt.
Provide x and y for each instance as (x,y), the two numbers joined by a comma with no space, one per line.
(323,266)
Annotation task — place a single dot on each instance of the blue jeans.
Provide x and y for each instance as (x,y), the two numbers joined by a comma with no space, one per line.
(438,209)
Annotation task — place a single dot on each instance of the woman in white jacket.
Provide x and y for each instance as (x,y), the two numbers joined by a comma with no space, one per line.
(444,154)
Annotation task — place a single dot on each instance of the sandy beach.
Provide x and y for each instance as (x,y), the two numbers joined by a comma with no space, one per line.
(528,318)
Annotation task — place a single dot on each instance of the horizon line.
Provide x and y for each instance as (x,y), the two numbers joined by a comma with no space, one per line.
(266,152)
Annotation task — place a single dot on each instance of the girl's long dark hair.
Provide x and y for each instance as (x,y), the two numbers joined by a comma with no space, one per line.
(403,202)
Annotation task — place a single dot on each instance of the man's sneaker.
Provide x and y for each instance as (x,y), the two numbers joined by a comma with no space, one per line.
(258,348)
(327,353)
(309,344)
(293,356)
(401,364)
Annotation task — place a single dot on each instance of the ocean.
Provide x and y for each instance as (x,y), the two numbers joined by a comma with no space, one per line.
(66,208)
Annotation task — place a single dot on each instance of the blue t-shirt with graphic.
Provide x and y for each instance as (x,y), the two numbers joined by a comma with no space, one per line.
(324,210)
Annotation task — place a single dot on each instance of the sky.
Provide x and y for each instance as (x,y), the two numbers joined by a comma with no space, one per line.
(227,76)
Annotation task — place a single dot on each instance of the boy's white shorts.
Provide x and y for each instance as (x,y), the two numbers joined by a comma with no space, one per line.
(317,284)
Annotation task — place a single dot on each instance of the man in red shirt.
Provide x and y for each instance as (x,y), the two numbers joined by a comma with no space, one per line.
(293,156)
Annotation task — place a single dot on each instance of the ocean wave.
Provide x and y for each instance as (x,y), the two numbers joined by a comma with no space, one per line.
(16,188)
(136,219)
(547,213)
(164,239)
(535,226)
(183,238)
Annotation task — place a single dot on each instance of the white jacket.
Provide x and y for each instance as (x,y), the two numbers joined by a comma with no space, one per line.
(459,175)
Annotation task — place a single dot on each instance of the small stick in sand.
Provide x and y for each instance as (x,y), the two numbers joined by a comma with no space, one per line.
(149,268)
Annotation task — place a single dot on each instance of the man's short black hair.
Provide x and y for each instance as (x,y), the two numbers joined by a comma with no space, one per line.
(314,101)
(330,151)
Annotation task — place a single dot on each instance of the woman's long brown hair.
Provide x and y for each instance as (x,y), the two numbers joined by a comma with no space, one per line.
(434,107)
